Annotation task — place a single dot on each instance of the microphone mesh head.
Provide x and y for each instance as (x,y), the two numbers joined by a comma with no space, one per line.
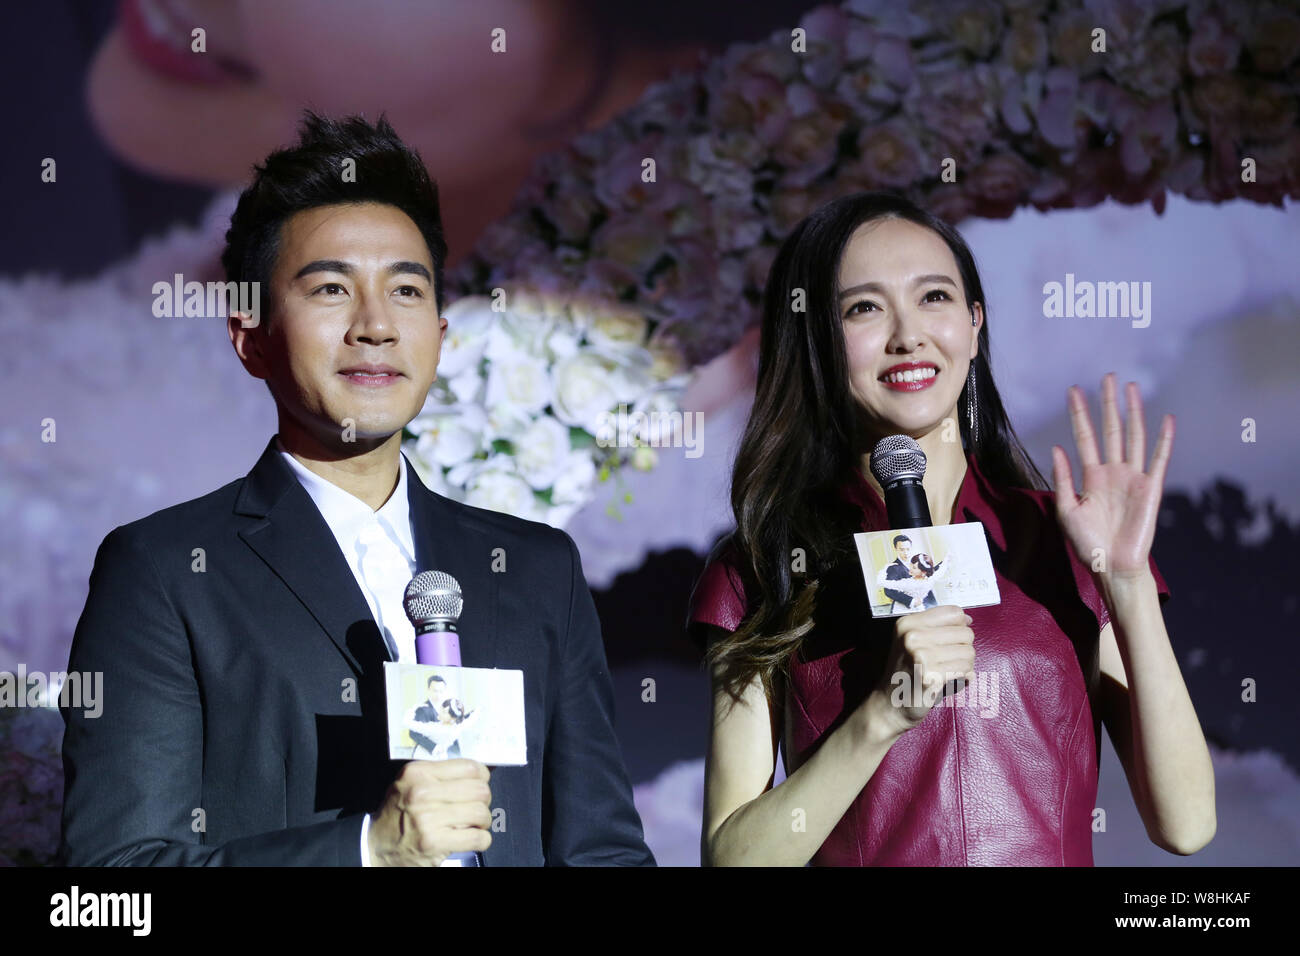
(897,456)
(433,596)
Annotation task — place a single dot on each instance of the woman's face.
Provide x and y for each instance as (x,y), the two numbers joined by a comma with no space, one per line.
(907,331)
(207,117)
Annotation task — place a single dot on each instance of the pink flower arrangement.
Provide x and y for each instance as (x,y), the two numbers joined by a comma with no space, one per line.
(878,95)
(31,785)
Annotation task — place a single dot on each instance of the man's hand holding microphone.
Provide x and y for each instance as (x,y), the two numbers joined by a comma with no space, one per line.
(432,809)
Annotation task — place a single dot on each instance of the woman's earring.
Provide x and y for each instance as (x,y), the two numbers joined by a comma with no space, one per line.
(970,406)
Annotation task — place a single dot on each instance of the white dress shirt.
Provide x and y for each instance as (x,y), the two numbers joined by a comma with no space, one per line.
(380,550)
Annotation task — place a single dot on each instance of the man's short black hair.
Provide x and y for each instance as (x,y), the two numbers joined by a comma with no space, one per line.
(435,677)
(901,537)
(311,174)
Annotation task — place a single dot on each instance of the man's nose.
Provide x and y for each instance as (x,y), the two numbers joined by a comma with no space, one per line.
(371,324)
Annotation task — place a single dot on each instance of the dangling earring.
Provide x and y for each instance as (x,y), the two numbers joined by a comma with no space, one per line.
(973,419)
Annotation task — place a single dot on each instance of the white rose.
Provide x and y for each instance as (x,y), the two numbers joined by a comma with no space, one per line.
(663,424)
(505,421)
(469,320)
(576,479)
(585,386)
(562,342)
(458,476)
(518,381)
(524,325)
(631,373)
(450,436)
(430,473)
(466,388)
(617,328)
(499,490)
(542,451)
(531,302)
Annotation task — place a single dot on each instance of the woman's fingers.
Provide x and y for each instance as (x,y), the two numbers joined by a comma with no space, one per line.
(1112,430)
(1063,482)
(1081,425)
(1164,449)
(1137,429)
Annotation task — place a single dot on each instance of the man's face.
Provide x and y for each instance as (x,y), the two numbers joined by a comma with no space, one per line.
(437,693)
(352,286)
(903,549)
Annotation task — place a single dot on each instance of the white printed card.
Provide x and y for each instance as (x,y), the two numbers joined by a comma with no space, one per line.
(912,569)
(439,713)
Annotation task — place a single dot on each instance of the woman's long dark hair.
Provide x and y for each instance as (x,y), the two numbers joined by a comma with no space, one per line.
(804,436)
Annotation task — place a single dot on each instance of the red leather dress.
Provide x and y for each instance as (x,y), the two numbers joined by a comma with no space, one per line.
(1010,780)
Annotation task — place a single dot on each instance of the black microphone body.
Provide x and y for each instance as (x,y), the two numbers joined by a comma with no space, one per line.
(898,463)
(906,504)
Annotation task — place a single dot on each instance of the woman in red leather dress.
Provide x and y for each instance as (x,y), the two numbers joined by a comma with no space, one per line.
(875,324)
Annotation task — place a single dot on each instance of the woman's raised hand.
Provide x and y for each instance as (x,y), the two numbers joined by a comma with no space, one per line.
(1115,518)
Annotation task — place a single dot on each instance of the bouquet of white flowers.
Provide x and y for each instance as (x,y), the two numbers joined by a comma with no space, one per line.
(520,418)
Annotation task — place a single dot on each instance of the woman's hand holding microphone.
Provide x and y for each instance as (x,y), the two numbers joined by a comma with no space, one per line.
(930,648)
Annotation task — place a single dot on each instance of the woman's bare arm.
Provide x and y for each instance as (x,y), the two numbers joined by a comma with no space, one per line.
(1152,723)
(747,821)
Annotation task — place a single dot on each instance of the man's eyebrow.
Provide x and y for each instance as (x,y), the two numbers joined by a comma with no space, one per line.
(346,268)
(876,287)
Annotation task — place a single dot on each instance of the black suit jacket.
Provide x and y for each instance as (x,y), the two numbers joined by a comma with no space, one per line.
(243,718)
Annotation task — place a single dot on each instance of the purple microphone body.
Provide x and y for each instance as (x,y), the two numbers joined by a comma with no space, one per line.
(438,647)
(433,603)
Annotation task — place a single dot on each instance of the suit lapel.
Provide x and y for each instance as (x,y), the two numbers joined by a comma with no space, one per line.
(445,541)
(297,544)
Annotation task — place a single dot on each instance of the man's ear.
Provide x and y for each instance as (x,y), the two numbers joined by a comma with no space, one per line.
(245,335)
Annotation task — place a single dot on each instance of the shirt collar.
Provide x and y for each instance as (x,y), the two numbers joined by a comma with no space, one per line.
(347,514)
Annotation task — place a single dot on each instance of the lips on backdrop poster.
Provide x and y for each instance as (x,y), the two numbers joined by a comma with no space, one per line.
(550,120)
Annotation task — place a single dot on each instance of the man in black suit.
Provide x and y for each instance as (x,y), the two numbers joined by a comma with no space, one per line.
(440,716)
(898,570)
(241,635)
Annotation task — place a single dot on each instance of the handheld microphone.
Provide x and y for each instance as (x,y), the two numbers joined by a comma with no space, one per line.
(433,603)
(898,463)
